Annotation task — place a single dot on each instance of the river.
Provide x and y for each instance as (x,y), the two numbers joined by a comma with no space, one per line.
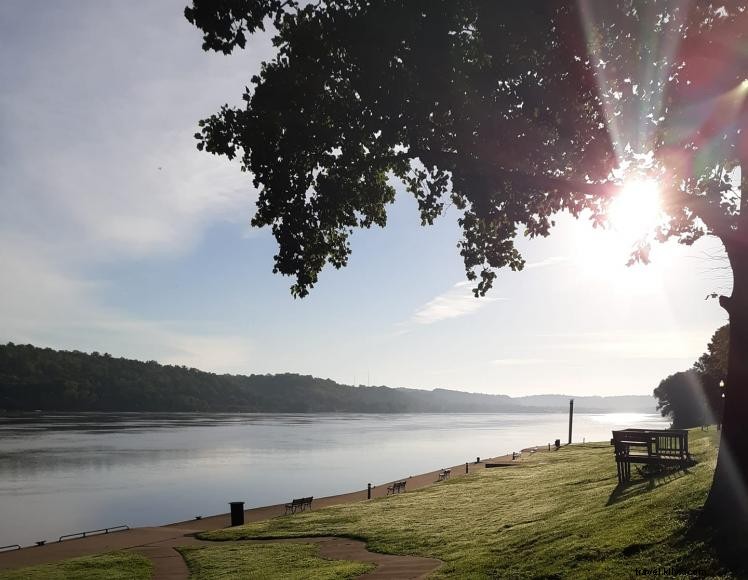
(64,473)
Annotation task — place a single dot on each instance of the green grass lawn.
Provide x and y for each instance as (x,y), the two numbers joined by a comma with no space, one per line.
(112,566)
(259,561)
(558,514)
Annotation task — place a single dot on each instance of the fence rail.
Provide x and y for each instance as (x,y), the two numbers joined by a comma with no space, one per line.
(78,535)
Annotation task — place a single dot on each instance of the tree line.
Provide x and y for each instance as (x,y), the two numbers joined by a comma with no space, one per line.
(33,378)
(694,397)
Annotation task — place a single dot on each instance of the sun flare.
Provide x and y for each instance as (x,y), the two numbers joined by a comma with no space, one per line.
(637,209)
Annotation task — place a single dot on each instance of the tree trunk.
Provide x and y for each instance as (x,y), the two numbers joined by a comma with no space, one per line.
(727,504)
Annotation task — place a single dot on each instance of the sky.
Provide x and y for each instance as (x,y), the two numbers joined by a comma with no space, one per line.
(117,235)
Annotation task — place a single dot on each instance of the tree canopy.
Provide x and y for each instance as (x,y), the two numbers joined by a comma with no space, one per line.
(509,111)
(33,378)
(694,397)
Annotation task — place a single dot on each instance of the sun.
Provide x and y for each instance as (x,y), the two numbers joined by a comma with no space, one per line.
(637,209)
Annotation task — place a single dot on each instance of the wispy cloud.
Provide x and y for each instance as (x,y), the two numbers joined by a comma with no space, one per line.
(516,362)
(550,261)
(115,172)
(104,170)
(46,305)
(459,301)
(684,345)
(455,302)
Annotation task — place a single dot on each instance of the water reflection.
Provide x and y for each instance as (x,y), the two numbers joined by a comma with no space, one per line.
(63,473)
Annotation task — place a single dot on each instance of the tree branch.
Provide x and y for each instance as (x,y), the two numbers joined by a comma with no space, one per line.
(451,160)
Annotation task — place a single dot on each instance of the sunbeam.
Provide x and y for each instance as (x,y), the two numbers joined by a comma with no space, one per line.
(633,100)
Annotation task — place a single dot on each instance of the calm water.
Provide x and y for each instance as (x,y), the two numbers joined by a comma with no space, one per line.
(64,473)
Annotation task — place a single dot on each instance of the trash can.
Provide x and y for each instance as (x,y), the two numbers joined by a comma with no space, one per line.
(237,513)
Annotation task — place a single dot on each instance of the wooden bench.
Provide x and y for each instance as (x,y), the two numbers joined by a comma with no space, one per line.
(396,487)
(299,505)
(661,448)
(444,474)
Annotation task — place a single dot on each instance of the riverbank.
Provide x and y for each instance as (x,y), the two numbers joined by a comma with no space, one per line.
(66,473)
(555,514)
(180,531)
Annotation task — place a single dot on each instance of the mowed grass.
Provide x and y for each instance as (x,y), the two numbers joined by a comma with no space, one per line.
(260,561)
(558,514)
(111,566)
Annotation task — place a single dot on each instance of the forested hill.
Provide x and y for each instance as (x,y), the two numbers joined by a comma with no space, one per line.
(33,378)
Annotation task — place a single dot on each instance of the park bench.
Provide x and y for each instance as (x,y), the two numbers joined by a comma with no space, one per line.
(396,487)
(445,474)
(299,505)
(659,448)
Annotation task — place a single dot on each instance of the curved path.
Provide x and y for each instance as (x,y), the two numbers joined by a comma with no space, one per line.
(388,566)
(169,564)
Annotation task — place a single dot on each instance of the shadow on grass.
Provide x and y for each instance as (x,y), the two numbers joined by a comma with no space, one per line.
(711,551)
(625,491)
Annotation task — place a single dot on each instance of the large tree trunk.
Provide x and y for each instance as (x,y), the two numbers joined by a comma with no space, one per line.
(727,504)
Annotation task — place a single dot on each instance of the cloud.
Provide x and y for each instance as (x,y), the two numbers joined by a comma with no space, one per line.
(674,345)
(455,302)
(512,362)
(134,208)
(551,261)
(97,151)
(46,305)
(99,167)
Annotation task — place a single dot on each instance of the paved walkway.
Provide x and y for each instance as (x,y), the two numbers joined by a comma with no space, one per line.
(168,564)
(158,542)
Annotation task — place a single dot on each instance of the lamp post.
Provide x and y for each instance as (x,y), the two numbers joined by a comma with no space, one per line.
(722,406)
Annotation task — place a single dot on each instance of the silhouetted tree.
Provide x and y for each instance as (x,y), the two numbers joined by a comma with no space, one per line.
(690,399)
(681,397)
(511,112)
(694,397)
(714,361)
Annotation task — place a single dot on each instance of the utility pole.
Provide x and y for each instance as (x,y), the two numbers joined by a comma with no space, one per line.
(571,417)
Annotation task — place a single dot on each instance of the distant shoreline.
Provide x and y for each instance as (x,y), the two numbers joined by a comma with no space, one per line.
(42,379)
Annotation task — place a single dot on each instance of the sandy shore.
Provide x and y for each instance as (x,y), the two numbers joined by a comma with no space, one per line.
(167,534)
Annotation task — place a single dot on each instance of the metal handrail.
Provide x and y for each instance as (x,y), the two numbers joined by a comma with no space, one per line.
(9,547)
(78,535)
